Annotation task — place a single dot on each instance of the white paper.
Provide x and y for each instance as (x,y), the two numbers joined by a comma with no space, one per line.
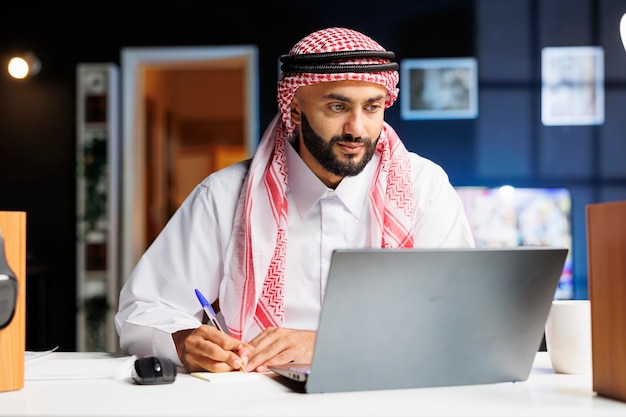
(63,369)
(31,356)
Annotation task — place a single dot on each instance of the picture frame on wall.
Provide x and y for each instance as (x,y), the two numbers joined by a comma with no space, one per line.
(433,88)
(572,85)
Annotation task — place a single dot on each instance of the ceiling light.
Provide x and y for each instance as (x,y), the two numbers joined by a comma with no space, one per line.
(24,65)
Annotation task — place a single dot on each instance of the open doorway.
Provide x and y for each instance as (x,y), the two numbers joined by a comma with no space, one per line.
(187,111)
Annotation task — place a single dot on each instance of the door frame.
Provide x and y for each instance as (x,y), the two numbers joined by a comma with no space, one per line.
(134,62)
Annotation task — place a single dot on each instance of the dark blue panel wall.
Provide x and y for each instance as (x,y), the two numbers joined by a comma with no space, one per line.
(566,152)
(612,137)
(511,143)
(505,32)
(504,136)
(506,143)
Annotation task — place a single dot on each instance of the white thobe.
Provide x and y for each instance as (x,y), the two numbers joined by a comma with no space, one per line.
(158,298)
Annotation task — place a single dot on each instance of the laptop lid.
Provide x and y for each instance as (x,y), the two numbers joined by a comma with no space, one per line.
(409,318)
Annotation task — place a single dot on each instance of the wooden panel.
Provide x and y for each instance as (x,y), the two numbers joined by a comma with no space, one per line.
(13,337)
(606,246)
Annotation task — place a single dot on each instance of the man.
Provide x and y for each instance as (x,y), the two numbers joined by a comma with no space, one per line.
(256,238)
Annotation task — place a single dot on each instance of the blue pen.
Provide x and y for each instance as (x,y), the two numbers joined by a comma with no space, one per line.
(208,309)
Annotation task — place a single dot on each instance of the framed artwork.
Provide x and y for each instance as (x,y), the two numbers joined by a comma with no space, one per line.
(572,85)
(439,88)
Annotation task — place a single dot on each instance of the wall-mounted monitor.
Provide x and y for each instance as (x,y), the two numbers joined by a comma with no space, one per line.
(435,88)
(512,216)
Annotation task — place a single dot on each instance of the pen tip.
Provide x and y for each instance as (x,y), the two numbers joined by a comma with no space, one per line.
(201,297)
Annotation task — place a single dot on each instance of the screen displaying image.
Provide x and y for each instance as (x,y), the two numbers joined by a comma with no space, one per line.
(509,216)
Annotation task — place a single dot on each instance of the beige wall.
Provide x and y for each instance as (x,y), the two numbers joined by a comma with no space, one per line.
(195,126)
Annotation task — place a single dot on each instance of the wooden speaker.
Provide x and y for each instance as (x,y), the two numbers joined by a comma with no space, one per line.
(13,336)
(606,261)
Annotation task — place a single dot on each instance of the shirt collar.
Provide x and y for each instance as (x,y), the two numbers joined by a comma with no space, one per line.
(306,189)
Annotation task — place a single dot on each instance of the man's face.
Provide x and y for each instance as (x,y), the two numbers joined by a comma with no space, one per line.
(339,123)
(342,164)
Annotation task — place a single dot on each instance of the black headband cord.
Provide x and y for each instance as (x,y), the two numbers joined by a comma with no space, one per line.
(325,62)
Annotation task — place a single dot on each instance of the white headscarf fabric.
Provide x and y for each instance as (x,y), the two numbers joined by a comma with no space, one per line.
(252,297)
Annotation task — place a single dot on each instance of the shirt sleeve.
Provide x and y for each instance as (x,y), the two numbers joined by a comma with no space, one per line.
(440,217)
(158,298)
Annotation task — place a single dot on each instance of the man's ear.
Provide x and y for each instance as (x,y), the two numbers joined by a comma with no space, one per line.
(295,112)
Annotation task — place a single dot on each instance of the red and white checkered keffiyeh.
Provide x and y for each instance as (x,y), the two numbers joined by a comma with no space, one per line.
(334,40)
(252,297)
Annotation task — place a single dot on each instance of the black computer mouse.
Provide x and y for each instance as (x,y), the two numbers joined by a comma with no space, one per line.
(153,370)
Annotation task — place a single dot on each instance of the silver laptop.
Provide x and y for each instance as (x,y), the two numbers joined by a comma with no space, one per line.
(409,318)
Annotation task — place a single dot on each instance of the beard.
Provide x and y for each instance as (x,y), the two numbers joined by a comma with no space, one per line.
(323,152)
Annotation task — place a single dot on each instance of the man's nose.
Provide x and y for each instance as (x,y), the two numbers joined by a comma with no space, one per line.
(355,125)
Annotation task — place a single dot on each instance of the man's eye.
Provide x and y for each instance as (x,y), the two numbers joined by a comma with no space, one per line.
(373,108)
(337,107)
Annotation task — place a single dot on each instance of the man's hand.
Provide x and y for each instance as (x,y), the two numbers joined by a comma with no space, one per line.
(278,345)
(207,348)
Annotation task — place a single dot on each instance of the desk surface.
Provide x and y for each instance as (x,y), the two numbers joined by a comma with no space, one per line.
(543,394)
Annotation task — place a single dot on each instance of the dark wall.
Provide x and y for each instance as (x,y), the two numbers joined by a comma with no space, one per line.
(505,144)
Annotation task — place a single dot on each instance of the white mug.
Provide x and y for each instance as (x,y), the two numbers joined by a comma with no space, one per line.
(568,336)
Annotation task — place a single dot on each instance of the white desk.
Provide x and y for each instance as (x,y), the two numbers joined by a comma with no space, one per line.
(543,394)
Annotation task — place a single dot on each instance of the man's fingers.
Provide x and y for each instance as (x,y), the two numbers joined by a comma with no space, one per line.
(209,349)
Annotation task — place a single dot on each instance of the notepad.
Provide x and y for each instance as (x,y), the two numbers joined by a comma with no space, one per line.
(227,376)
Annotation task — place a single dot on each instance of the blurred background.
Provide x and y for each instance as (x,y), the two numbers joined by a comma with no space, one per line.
(74,118)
